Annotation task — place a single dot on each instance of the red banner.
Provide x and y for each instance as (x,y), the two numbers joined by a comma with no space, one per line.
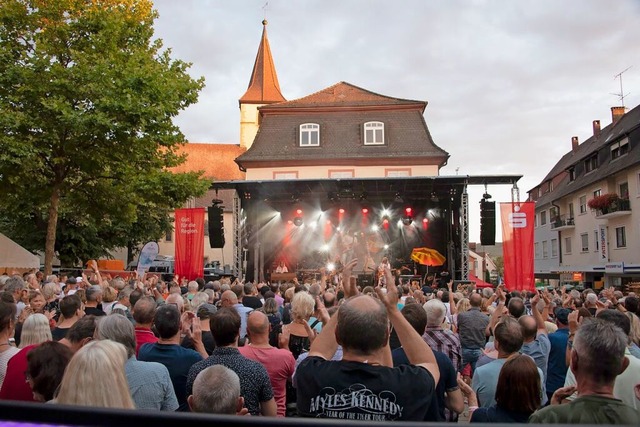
(189,227)
(517,245)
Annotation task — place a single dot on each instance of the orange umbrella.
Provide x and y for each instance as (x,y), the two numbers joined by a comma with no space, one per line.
(427,256)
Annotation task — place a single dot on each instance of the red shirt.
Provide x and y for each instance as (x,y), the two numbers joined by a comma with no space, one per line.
(279,364)
(15,385)
(144,336)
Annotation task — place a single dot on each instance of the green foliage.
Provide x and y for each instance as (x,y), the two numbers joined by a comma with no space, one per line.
(87,100)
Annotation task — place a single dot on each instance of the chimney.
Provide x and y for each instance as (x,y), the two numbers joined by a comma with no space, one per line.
(574,143)
(596,128)
(616,114)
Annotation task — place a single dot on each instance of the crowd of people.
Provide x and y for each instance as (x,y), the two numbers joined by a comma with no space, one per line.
(325,348)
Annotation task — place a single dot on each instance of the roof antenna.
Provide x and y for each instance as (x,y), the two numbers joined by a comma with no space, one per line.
(265,7)
(621,95)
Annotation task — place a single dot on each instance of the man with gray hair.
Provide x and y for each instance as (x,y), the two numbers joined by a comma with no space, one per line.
(94,298)
(439,338)
(597,358)
(18,289)
(216,390)
(149,382)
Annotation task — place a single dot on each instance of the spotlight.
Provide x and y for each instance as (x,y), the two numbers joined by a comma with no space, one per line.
(297,221)
(325,248)
(299,212)
(408,217)
(386,247)
(341,211)
(375,228)
(365,211)
(399,198)
(331,266)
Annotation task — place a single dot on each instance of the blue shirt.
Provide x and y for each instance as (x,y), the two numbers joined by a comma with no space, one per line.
(557,369)
(150,385)
(178,360)
(244,313)
(485,383)
(539,350)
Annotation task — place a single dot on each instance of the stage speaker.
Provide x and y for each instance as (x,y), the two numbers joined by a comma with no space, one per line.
(365,280)
(487,223)
(216,226)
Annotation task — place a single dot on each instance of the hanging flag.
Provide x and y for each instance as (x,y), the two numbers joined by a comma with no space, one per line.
(517,245)
(148,254)
(189,243)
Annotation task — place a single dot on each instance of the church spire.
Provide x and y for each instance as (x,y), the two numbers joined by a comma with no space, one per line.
(263,86)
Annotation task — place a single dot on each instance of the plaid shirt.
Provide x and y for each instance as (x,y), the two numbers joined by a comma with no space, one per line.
(445,341)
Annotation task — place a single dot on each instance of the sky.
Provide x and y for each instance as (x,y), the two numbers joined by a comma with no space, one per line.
(508,83)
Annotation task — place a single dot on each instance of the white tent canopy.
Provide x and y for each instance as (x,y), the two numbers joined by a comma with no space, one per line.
(15,257)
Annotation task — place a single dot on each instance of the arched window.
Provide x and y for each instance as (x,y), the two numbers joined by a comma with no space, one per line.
(374,133)
(309,135)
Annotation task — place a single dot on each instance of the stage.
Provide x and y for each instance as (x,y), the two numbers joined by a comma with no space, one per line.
(320,224)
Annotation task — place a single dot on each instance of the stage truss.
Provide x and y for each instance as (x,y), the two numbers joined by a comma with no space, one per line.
(446,192)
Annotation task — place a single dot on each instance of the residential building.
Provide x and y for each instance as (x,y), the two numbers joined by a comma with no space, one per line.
(587,227)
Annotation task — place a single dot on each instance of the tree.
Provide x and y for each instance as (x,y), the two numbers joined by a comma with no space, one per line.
(499,263)
(87,100)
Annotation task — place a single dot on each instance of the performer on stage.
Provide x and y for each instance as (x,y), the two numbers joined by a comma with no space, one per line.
(384,264)
(282,268)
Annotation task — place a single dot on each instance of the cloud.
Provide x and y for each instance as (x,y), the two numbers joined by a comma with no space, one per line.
(508,82)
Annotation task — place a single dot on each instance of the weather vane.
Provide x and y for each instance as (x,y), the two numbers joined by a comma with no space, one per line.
(265,7)
(621,95)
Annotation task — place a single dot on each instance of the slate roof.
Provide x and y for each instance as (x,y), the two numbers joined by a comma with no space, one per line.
(343,94)
(341,110)
(629,124)
(263,85)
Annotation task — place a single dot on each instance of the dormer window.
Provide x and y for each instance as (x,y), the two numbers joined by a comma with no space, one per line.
(619,148)
(373,133)
(591,163)
(309,135)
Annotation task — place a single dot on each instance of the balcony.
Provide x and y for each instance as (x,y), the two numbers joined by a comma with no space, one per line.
(562,222)
(620,207)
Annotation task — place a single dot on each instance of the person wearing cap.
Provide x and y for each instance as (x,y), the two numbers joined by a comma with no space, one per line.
(71,286)
(167,350)
(557,369)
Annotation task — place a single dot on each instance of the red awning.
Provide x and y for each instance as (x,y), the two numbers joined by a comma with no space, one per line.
(480,284)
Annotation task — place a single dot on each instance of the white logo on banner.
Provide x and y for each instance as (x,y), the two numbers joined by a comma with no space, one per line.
(518,219)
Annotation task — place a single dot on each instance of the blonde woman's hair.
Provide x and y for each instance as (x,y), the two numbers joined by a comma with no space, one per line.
(302,306)
(102,359)
(463,305)
(35,330)
(49,290)
(109,294)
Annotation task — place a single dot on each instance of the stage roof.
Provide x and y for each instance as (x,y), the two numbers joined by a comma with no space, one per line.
(371,189)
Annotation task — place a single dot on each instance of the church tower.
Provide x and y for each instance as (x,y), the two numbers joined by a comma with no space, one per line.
(263,89)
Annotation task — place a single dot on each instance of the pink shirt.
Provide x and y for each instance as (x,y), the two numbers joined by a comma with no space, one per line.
(279,364)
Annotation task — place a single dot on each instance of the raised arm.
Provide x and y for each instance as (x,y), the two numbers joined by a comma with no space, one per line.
(542,329)
(416,349)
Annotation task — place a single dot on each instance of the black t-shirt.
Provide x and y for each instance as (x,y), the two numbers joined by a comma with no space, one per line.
(59,333)
(95,311)
(448,382)
(251,302)
(358,391)
(207,340)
